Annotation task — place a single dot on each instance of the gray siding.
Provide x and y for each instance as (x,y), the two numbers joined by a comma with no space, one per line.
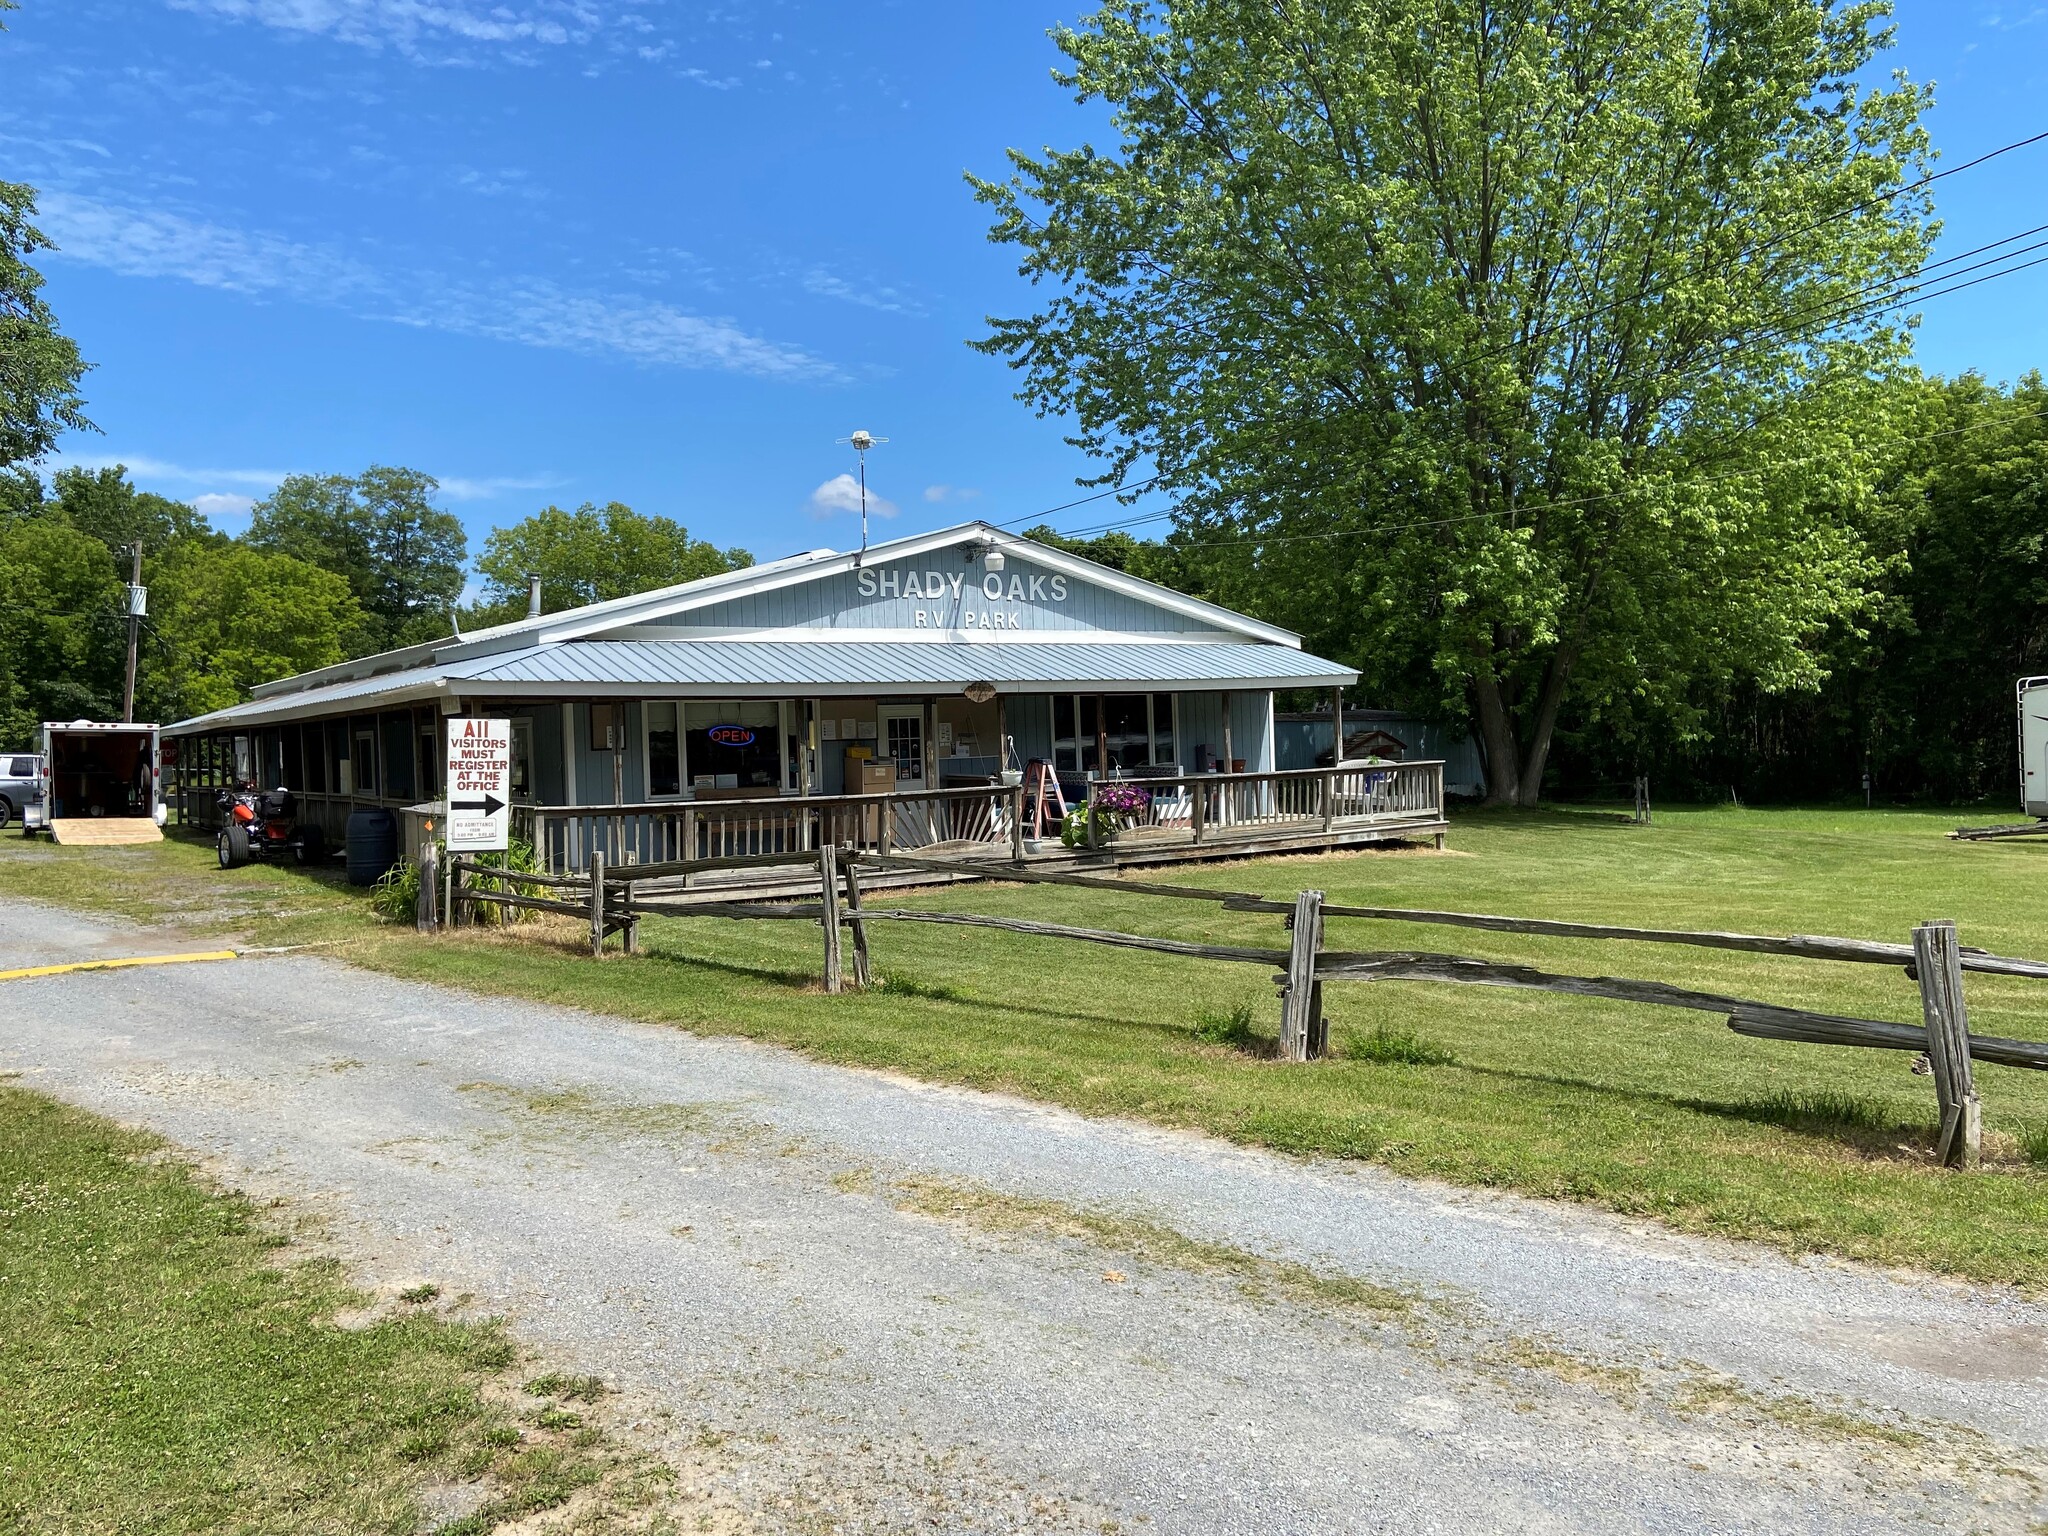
(594,769)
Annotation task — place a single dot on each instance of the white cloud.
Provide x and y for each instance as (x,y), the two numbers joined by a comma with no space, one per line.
(529,311)
(458,488)
(215,505)
(946,493)
(143,467)
(827,284)
(842,494)
(406,24)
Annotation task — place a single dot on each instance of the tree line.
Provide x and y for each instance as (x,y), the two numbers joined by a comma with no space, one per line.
(331,567)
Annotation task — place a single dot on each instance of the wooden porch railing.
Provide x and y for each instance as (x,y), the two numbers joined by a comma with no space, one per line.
(1215,807)
(975,818)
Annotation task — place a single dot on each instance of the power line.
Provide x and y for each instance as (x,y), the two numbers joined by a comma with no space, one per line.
(1546,506)
(1719,359)
(1759,247)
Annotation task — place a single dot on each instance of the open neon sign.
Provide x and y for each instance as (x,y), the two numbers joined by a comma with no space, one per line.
(731,735)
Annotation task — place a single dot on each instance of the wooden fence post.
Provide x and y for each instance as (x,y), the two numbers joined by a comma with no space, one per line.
(828,880)
(630,918)
(863,974)
(1938,960)
(1017,825)
(428,916)
(1301,997)
(597,903)
(458,892)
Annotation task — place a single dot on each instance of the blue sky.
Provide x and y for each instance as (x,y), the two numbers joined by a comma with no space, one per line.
(665,253)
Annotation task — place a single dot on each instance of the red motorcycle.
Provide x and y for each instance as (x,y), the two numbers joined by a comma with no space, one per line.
(261,824)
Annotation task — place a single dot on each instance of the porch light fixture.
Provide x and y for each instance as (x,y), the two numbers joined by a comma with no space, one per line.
(986,552)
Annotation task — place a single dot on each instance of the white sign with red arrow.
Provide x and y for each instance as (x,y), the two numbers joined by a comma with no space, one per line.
(479,785)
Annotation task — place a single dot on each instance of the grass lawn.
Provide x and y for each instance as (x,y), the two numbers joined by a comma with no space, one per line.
(1645,1110)
(168,1365)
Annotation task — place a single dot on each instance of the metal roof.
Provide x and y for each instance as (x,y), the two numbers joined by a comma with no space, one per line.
(800,668)
(390,688)
(811,565)
(841,666)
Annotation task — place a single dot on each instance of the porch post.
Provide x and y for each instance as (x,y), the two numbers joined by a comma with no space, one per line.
(1337,724)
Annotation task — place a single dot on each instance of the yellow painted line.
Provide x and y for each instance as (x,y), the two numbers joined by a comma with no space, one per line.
(114,965)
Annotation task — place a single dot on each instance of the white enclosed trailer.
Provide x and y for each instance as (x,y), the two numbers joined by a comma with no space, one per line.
(2033,711)
(102,783)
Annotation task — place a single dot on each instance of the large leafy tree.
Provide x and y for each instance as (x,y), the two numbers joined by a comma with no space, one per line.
(590,555)
(1527,354)
(106,504)
(39,365)
(379,531)
(60,627)
(228,617)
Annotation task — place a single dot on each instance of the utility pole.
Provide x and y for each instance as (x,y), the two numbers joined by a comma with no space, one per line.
(138,600)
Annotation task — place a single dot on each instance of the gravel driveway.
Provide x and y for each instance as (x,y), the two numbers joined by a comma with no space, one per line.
(863,1303)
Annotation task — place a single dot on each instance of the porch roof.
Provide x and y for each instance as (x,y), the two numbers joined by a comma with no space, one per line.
(843,666)
(803,668)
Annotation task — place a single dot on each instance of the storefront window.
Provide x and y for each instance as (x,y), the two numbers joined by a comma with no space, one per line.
(1162,729)
(522,760)
(1137,729)
(664,751)
(1127,732)
(733,746)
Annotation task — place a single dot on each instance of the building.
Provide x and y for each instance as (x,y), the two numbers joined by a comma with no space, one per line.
(741,711)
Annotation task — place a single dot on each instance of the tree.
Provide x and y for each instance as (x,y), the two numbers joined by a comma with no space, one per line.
(401,555)
(591,555)
(39,365)
(103,503)
(227,617)
(61,637)
(1527,354)
(1147,559)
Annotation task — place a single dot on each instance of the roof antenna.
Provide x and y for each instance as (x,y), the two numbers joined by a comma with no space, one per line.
(862,441)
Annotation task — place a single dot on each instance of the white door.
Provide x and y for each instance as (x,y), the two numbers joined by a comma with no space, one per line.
(899,729)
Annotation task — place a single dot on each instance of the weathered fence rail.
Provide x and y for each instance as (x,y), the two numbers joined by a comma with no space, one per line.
(1934,959)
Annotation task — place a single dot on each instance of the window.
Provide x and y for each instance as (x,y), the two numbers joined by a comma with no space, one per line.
(664,750)
(1136,728)
(22,768)
(905,746)
(363,764)
(733,746)
(429,762)
(522,760)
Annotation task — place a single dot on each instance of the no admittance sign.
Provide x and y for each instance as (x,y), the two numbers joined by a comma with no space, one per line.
(479,785)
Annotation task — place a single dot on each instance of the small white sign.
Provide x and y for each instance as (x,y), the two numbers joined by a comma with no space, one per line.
(479,785)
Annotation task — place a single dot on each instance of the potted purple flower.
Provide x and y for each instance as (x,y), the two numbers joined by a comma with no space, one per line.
(1117,806)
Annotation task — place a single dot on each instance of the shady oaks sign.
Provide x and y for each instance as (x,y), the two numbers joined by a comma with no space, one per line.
(950,596)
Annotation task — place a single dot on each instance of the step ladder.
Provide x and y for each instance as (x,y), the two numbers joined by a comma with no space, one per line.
(1040,785)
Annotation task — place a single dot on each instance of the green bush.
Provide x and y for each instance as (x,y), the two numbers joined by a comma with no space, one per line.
(397,895)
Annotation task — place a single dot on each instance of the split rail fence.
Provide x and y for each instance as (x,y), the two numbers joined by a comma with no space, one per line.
(1934,959)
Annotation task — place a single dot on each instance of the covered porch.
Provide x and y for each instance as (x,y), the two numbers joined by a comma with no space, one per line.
(1157,819)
